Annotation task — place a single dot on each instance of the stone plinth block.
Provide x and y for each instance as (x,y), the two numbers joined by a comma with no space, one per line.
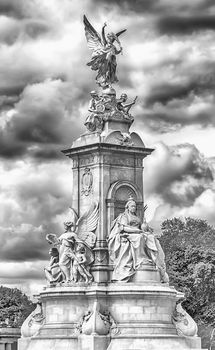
(108,316)
(154,343)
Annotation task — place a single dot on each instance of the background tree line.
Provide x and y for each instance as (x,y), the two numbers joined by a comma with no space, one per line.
(14,307)
(189,247)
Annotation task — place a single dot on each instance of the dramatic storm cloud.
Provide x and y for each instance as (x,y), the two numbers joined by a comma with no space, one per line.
(168,61)
(45,117)
(179,181)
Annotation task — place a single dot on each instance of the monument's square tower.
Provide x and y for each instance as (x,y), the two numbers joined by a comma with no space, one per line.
(107,169)
(107,286)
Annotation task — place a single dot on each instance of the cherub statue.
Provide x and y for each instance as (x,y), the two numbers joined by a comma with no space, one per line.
(104,53)
(94,100)
(80,268)
(94,120)
(75,263)
(53,272)
(125,107)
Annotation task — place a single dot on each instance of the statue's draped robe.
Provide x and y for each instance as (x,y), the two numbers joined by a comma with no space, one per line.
(54,274)
(68,252)
(127,254)
(104,61)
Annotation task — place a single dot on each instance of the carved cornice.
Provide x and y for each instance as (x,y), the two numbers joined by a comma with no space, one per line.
(107,159)
(104,153)
(107,147)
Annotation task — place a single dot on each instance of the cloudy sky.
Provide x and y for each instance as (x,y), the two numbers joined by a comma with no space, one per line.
(169,60)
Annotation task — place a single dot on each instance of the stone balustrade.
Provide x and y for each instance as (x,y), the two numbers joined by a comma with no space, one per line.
(8,338)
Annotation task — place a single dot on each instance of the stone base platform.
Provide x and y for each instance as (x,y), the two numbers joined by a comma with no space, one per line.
(108,316)
(96,342)
(154,342)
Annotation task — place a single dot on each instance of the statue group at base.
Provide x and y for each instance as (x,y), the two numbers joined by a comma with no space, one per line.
(72,263)
(131,244)
(107,285)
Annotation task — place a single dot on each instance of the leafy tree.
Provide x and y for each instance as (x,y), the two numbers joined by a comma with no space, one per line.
(14,307)
(189,246)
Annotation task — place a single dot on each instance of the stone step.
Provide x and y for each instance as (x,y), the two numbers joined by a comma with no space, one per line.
(155,342)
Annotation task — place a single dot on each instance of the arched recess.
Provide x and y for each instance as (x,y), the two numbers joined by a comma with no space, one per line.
(118,194)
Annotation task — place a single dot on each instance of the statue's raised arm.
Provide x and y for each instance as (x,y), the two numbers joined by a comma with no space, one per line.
(104,53)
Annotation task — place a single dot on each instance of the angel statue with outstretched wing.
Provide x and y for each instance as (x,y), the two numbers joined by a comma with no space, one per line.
(76,245)
(104,53)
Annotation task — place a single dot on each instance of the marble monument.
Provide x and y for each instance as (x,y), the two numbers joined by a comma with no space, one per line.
(107,285)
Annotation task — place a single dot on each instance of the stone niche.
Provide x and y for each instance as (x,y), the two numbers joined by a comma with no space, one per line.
(117,197)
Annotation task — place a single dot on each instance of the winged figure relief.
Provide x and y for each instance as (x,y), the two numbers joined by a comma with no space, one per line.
(76,243)
(104,53)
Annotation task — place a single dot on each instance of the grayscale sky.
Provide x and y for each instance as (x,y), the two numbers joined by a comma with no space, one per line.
(168,61)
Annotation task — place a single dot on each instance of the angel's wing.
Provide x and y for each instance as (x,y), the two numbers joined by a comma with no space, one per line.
(88,222)
(52,238)
(94,40)
(121,32)
(88,237)
(73,216)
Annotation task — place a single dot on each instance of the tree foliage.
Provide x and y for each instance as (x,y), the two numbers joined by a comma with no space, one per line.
(14,307)
(189,247)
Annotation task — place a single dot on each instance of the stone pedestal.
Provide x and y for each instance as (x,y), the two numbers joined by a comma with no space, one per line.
(140,317)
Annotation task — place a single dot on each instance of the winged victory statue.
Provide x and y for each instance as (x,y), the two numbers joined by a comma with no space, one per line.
(104,53)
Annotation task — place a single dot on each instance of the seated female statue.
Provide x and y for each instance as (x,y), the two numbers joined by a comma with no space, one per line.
(132,245)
